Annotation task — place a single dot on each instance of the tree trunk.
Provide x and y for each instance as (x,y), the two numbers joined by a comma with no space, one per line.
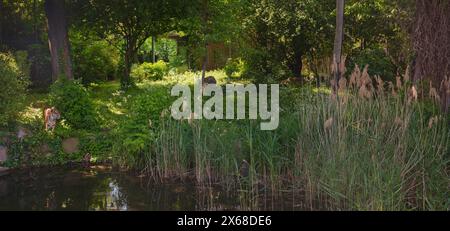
(153,49)
(297,66)
(35,22)
(58,39)
(431,46)
(125,80)
(338,43)
(131,49)
(1,24)
(206,31)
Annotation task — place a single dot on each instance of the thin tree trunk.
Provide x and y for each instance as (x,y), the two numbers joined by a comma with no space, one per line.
(153,49)
(338,43)
(128,59)
(1,23)
(205,27)
(35,23)
(298,66)
(58,39)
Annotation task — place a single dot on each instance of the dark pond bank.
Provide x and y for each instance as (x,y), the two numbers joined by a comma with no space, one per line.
(102,188)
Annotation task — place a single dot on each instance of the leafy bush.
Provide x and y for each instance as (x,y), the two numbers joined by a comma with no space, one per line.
(136,133)
(262,67)
(379,63)
(150,71)
(94,61)
(150,104)
(13,83)
(234,67)
(74,104)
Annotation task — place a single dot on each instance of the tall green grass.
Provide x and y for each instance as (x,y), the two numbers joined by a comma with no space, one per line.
(383,152)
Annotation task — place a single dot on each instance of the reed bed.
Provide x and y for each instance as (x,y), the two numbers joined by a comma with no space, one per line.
(374,146)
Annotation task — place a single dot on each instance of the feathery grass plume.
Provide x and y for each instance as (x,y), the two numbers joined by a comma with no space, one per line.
(433,120)
(392,87)
(406,77)
(412,94)
(328,123)
(399,82)
(434,94)
(365,85)
(365,92)
(365,78)
(380,84)
(362,91)
(445,84)
(333,82)
(355,76)
(342,84)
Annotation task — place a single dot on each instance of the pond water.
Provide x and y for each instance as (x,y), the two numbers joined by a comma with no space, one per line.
(102,188)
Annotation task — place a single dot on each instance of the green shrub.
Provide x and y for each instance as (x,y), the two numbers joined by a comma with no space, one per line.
(234,67)
(150,104)
(262,67)
(13,83)
(379,63)
(136,133)
(149,71)
(74,104)
(94,61)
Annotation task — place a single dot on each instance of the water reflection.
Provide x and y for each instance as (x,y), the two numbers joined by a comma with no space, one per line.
(100,188)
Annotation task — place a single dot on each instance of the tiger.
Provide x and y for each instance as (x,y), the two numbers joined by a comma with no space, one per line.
(51,115)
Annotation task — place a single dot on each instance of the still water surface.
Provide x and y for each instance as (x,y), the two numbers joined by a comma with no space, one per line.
(101,188)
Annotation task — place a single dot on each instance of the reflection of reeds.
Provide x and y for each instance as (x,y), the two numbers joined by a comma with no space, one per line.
(376,149)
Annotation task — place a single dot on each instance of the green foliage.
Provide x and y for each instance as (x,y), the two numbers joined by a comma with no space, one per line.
(29,151)
(262,67)
(149,105)
(42,148)
(94,61)
(165,49)
(280,34)
(131,22)
(234,67)
(73,102)
(13,83)
(99,145)
(150,71)
(41,75)
(136,133)
(379,63)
